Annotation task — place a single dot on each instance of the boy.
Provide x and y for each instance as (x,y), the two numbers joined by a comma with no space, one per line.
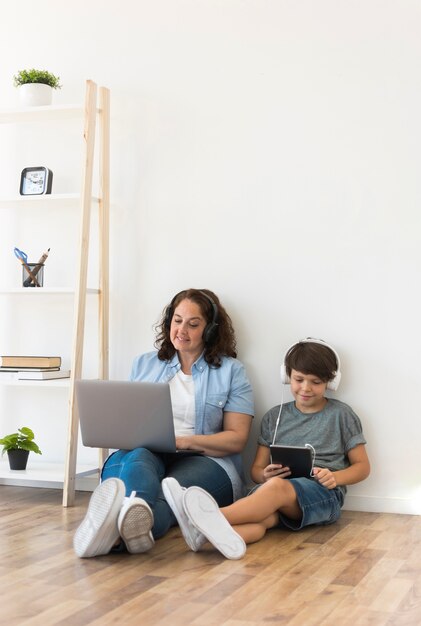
(330,426)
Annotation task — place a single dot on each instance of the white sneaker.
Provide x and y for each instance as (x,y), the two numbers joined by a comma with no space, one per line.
(134,524)
(203,511)
(174,493)
(98,531)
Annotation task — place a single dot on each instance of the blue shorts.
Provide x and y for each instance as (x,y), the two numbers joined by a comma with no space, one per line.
(319,505)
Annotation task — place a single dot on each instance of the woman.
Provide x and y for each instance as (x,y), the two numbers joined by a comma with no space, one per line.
(213,408)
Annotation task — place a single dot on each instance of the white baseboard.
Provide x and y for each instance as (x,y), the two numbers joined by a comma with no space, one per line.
(370,504)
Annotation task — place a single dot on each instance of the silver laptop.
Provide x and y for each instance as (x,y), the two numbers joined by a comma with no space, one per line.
(126,415)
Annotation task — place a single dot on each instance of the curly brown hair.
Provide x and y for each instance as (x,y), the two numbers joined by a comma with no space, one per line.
(219,334)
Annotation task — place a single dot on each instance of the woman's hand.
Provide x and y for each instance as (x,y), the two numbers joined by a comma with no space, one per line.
(231,440)
(186,442)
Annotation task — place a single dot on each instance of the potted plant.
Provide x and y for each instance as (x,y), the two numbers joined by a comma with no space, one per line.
(18,446)
(36,86)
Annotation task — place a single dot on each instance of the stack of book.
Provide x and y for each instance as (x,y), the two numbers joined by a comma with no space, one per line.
(31,368)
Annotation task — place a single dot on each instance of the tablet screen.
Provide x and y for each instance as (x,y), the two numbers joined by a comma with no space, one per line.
(298,458)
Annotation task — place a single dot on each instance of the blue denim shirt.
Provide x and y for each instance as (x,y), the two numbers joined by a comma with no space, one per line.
(216,389)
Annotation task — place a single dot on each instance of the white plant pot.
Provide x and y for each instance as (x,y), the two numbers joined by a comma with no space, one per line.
(35,94)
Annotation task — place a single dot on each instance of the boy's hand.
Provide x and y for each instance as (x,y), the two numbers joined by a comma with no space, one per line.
(274,469)
(325,477)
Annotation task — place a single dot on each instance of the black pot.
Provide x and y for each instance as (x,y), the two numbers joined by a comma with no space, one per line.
(18,459)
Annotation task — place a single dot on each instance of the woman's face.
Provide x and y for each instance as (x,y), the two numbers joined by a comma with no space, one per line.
(186,330)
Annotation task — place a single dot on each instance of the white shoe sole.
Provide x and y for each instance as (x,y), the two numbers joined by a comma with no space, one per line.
(204,513)
(174,493)
(98,531)
(135,523)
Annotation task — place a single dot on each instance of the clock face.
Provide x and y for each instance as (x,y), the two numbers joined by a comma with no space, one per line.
(35,181)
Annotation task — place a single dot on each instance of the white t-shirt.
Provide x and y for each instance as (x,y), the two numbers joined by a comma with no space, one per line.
(183,405)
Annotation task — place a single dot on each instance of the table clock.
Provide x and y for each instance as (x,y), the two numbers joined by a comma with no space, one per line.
(35,181)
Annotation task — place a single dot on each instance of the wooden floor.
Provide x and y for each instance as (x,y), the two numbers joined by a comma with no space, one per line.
(364,570)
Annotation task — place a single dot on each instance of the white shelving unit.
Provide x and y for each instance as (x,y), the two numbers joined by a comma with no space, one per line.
(96,109)
(47,475)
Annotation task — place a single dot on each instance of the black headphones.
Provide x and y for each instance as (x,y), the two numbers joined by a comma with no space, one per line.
(210,329)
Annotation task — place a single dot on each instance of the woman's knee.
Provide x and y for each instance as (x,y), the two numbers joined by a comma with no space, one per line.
(123,458)
(123,463)
(139,455)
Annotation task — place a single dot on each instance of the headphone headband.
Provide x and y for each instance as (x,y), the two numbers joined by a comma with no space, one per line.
(332,384)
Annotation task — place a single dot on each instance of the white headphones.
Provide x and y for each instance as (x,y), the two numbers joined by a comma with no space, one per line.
(332,384)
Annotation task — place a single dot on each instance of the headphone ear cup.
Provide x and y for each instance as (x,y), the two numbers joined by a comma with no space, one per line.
(209,332)
(284,376)
(334,383)
(168,317)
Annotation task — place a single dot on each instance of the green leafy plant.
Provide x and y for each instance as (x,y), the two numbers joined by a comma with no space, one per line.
(23,77)
(22,440)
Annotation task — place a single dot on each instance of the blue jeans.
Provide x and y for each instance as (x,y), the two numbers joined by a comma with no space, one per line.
(142,471)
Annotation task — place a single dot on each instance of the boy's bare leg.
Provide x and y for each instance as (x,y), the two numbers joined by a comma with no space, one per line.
(253,515)
(254,532)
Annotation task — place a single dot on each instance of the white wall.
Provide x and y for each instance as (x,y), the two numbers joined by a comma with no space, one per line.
(268,150)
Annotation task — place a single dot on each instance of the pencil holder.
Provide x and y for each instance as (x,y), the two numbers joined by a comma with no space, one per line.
(33,275)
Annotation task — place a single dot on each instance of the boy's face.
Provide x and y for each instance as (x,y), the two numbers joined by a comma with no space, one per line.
(308,391)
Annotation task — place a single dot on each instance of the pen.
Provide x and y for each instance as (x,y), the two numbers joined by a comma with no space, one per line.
(22,256)
(36,269)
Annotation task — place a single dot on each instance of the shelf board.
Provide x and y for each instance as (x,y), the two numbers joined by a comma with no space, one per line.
(50,475)
(48,200)
(43,291)
(41,113)
(54,382)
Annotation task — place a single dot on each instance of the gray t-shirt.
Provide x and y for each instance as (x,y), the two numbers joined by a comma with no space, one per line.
(332,432)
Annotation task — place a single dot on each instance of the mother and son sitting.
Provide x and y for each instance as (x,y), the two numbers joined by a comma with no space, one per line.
(142,494)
